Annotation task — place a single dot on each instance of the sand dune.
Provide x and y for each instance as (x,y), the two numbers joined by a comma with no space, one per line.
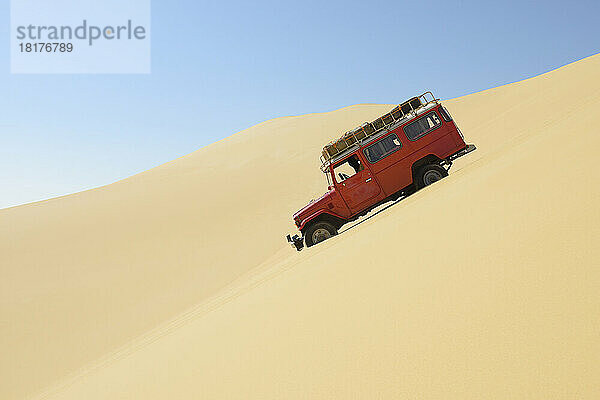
(176,283)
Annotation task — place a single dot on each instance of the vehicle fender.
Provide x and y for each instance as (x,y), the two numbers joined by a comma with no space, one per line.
(316,214)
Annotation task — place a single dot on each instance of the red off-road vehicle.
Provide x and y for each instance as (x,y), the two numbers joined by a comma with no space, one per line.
(406,149)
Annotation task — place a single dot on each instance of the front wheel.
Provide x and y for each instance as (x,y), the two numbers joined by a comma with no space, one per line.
(429,174)
(319,232)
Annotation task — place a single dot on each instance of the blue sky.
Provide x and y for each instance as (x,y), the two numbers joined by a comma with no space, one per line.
(219,67)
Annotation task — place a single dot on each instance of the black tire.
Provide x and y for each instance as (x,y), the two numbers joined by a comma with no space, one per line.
(318,232)
(429,174)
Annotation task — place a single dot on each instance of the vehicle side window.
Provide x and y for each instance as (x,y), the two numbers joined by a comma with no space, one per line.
(422,126)
(347,168)
(445,114)
(382,148)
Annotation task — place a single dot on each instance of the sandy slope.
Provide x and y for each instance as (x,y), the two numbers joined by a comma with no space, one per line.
(482,286)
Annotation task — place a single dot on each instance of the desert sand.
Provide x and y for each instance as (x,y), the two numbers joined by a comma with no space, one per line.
(178,282)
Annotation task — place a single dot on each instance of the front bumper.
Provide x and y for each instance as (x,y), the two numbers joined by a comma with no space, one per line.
(296,241)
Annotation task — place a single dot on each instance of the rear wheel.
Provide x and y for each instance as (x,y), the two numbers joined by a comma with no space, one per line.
(430,174)
(319,232)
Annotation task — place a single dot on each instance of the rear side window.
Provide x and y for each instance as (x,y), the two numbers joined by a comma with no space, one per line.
(422,126)
(445,114)
(382,148)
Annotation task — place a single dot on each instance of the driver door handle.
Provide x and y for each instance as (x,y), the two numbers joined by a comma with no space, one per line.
(368,180)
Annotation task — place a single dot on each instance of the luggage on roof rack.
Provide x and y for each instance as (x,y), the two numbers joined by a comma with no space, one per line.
(367,129)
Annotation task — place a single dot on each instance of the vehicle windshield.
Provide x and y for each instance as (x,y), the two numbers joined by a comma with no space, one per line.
(328,175)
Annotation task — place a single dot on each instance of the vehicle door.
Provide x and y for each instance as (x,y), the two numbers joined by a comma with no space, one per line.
(355,183)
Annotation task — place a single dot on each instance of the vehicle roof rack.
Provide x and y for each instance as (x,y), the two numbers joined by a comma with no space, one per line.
(406,110)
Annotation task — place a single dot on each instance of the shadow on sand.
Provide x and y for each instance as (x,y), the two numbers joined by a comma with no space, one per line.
(371,214)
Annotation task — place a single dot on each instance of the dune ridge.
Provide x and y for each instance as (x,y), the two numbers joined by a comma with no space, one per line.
(484,285)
